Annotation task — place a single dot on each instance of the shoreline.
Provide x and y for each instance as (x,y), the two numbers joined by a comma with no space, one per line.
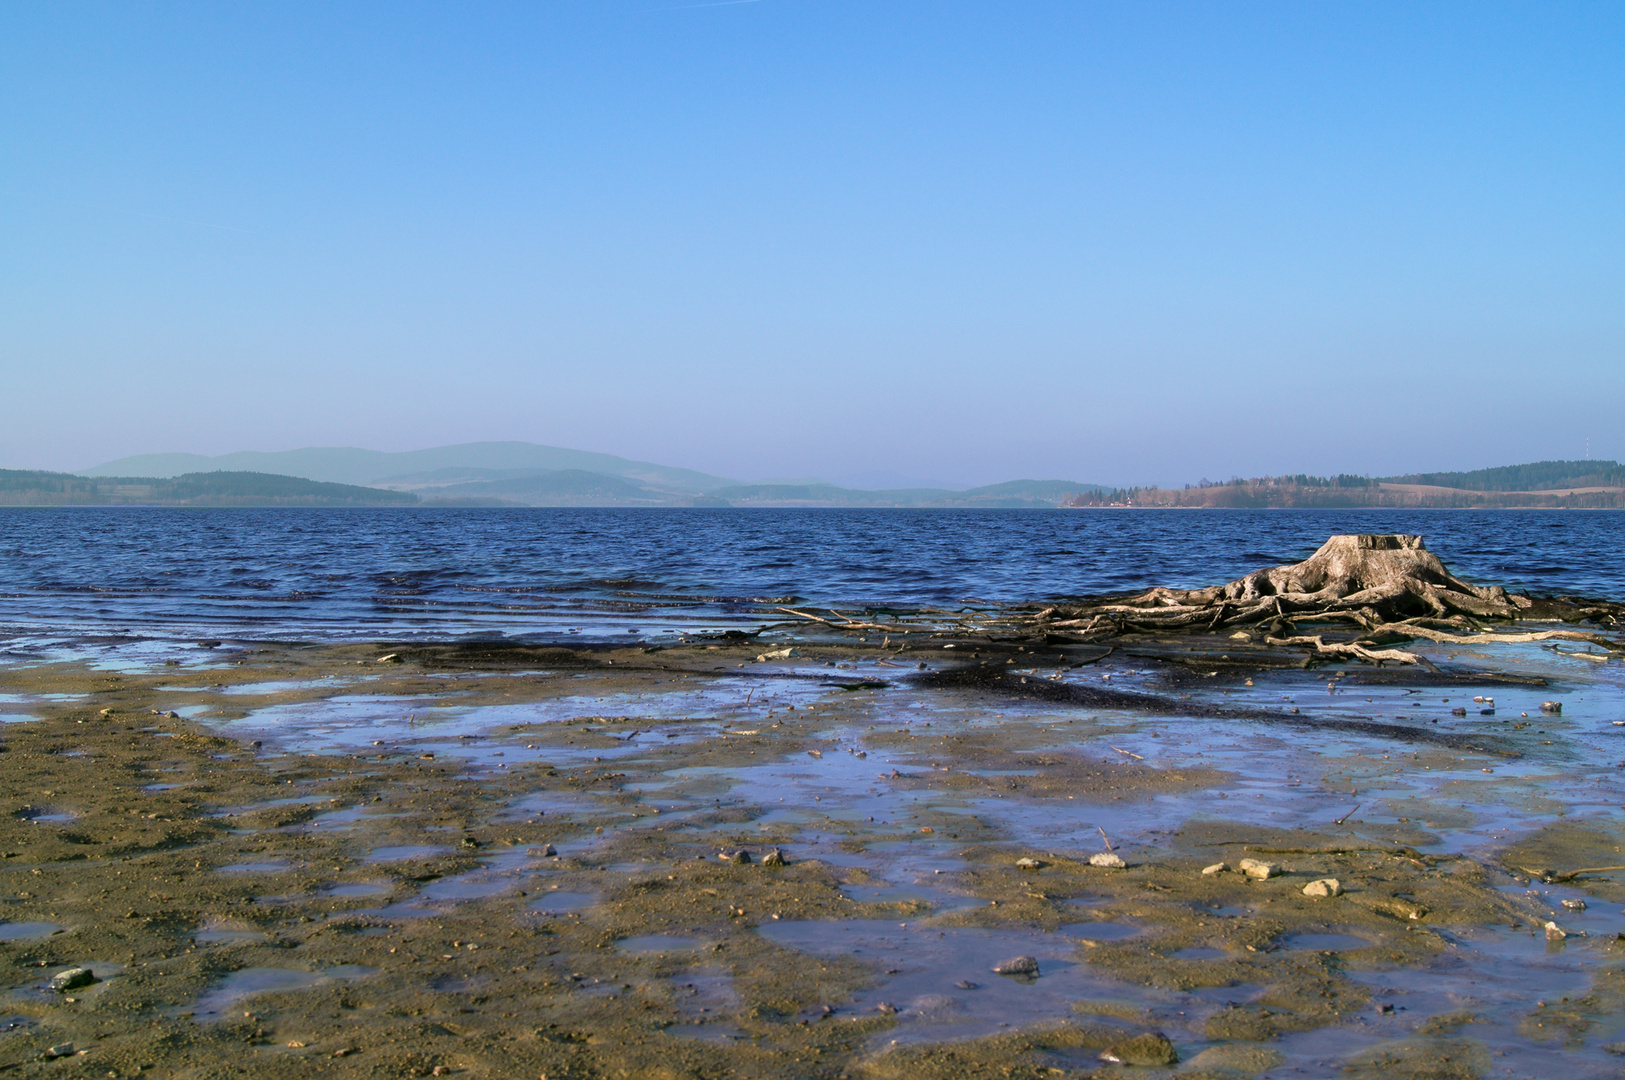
(381,831)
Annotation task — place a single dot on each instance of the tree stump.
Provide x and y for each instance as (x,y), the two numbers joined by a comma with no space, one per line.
(1393,576)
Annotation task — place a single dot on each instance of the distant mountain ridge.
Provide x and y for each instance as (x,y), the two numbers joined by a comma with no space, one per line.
(574,487)
(1013,494)
(379,468)
(29,487)
(528,474)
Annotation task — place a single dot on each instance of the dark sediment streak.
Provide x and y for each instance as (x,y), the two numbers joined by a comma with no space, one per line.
(987,680)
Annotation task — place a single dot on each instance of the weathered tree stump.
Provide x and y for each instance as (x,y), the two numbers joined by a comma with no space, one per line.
(1371,590)
(1391,577)
(1390,586)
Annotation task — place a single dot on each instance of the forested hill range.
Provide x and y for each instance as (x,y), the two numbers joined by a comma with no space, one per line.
(531,474)
(1575,485)
(558,487)
(1556,484)
(28,487)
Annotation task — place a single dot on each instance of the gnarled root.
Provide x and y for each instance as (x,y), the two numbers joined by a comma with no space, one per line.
(1390,587)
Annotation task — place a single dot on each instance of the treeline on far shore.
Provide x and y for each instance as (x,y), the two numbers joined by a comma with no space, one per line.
(1578,485)
(28,487)
(1258,497)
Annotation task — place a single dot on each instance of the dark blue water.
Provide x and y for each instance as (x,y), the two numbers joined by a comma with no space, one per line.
(326,574)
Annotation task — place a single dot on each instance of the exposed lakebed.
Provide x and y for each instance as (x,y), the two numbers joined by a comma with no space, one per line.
(321,854)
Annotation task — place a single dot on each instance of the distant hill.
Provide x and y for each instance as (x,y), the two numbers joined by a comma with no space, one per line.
(1538,476)
(19,487)
(563,487)
(414,469)
(1013,494)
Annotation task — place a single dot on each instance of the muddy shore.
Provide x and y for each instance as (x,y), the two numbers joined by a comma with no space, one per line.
(485,860)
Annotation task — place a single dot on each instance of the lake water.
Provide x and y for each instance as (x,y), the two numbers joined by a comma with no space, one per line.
(546,573)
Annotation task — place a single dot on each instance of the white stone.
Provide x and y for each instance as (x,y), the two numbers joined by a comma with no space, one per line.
(1329,886)
(1110,860)
(1255,868)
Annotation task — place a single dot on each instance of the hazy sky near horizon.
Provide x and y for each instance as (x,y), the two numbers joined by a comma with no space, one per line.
(867,241)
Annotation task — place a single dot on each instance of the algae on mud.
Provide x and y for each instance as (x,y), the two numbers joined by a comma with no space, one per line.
(376,845)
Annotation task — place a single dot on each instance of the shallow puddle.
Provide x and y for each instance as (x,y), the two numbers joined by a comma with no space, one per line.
(562,902)
(404,852)
(27,931)
(941,983)
(1324,942)
(227,935)
(270,866)
(659,943)
(357,889)
(707,1001)
(246,982)
(1101,931)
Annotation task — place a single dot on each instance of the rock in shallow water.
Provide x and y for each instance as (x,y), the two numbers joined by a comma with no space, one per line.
(1019,965)
(1151,1048)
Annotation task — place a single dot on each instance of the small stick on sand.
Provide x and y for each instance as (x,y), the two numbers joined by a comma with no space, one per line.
(1105,838)
(1346,816)
(1130,753)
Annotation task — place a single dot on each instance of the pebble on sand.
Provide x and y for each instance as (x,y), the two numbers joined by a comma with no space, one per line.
(1258,869)
(1030,864)
(1324,887)
(1109,860)
(1216,868)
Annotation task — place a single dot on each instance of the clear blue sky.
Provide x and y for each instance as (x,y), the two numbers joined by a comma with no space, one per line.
(867,241)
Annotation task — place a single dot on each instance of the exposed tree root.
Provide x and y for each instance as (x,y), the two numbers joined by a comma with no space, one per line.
(1390,587)
(1380,589)
(1350,649)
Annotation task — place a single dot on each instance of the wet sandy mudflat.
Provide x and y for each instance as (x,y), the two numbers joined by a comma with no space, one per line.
(504,861)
